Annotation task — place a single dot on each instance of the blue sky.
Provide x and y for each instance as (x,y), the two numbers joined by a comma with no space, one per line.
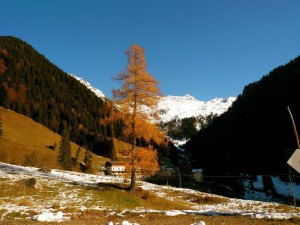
(205,48)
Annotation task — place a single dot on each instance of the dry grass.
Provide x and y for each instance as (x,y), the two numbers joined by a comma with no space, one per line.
(152,201)
(208,200)
(198,198)
(114,199)
(68,197)
(98,218)
(24,137)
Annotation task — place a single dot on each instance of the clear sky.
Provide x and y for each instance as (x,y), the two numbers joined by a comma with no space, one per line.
(204,48)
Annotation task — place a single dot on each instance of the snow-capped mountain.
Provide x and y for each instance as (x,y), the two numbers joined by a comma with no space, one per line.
(179,106)
(96,91)
(187,106)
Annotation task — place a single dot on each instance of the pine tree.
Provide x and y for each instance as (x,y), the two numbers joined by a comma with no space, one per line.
(139,90)
(77,154)
(64,155)
(113,154)
(110,116)
(88,161)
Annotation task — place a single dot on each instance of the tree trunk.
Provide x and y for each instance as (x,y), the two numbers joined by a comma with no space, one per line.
(133,180)
(133,176)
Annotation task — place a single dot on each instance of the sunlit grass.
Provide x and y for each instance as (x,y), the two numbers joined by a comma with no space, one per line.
(109,202)
(71,197)
(23,137)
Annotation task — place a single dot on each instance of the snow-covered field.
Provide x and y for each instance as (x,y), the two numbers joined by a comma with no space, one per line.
(45,210)
(282,188)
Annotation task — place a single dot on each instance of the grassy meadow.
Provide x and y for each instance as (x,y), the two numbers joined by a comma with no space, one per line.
(23,137)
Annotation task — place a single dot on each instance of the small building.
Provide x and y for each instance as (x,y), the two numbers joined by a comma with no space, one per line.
(169,171)
(166,171)
(197,174)
(114,167)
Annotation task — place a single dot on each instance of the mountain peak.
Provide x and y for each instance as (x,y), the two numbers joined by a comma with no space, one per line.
(179,106)
(188,106)
(96,91)
(189,96)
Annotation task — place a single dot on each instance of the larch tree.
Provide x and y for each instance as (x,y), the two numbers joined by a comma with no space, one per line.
(139,92)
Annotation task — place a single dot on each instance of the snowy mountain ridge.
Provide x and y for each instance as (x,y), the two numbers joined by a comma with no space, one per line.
(96,91)
(178,106)
(187,106)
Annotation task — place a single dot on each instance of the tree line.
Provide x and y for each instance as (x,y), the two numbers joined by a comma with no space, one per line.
(31,85)
(253,135)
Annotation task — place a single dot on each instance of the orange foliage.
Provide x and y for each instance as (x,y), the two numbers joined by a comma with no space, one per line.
(138,91)
(145,160)
(143,129)
(54,124)
(3,66)
(4,51)
(12,95)
(22,94)
(110,113)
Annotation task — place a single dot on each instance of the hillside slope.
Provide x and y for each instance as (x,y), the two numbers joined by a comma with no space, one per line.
(254,133)
(31,85)
(22,137)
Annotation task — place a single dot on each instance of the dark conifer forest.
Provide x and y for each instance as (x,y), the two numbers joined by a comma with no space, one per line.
(31,85)
(254,133)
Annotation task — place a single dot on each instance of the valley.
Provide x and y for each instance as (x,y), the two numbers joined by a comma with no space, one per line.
(229,139)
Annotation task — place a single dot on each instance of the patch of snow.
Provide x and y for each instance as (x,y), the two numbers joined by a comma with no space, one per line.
(199,223)
(174,213)
(51,217)
(125,222)
(231,206)
(258,192)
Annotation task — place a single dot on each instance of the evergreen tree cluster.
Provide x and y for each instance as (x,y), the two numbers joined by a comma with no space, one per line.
(31,85)
(64,158)
(253,134)
(186,128)
(180,129)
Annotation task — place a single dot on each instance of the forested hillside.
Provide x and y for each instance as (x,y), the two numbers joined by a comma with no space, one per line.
(30,84)
(253,134)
